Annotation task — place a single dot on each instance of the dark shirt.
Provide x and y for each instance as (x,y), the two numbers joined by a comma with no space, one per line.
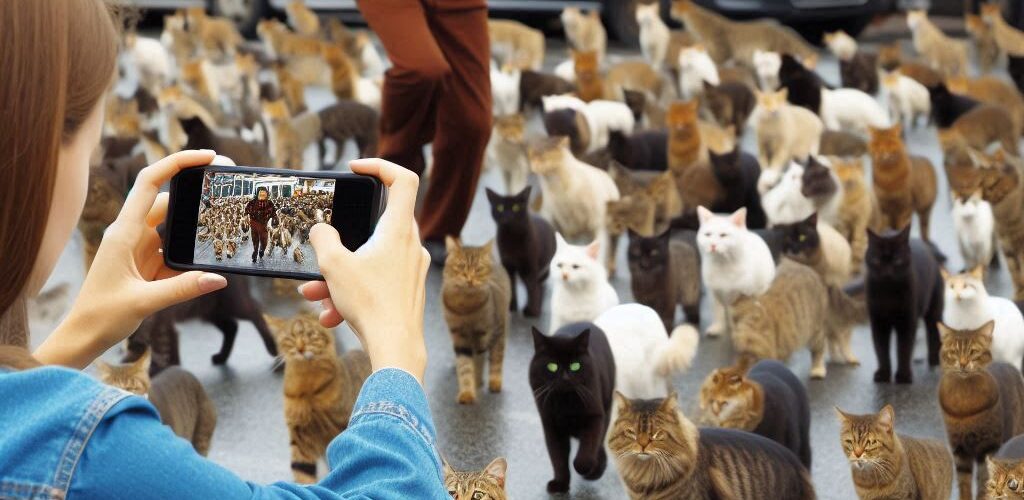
(260,211)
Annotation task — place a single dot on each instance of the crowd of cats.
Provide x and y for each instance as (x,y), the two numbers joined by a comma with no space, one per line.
(793,243)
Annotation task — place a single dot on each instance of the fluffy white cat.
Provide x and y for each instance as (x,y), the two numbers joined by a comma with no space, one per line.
(695,68)
(975,229)
(580,291)
(968,306)
(654,34)
(601,116)
(766,65)
(784,203)
(847,108)
(907,98)
(645,355)
(734,261)
(505,90)
(151,60)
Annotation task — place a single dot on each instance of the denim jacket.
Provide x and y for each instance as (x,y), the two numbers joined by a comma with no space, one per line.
(66,435)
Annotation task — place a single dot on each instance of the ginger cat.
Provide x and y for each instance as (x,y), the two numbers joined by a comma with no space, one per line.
(630,75)
(218,36)
(344,75)
(302,19)
(784,132)
(985,44)
(519,45)
(292,89)
(940,51)
(857,208)
(737,40)
(903,184)
(994,90)
(1009,39)
(289,137)
(585,32)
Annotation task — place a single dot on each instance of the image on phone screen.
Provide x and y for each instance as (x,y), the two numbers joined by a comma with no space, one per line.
(261,221)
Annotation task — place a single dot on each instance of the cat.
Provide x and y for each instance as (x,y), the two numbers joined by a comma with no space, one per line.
(654,34)
(572,376)
(890,56)
(592,122)
(534,85)
(924,74)
(151,60)
(908,100)
(696,68)
(320,388)
(975,229)
(636,76)
(570,123)
(526,245)
(201,136)
(857,69)
(475,294)
(982,402)
(507,151)
(641,150)
(630,214)
(985,45)
(767,65)
(292,89)
(684,136)
(302,19)
(217,35)
(344,121)
(857,206)
(665,273)
(1008,38)
(889,465)
(660,454)
(784,132)
(289,137)
(731,103)
(585,31)
(734,262)
(109,182)
(656,193)
(904,184)
(762,397)
(851,109)
(988,123)
(821,185)
(940,51)
(842,144)
(580,291)
(516,44)
(969,306)
(804,86)
(816,244)
(903,285)
(738,172)
(947,107)
(992,90)
(487,484)
(785,202)
(1005,474)
(505,90)
(1002,187)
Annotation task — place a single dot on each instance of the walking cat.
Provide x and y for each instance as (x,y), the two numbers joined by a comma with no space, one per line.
(487,484)
(969,306)
(991,89)
(904,184)
(580,289)
(665,273)
(940,51)
(526,245)
(344,121)
(516,44)
(908,100)
(784,132)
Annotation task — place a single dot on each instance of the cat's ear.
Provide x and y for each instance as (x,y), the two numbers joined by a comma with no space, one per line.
(704,215)
(739,218)
(539,340)
(986,330)
(671,403)
(812,220)
(525,193)
(451,244)
(142,364)
(496,469)
(489,247)
(559,241)
(622,401)
(594,249)
(978,272)
(583,339)
(448,470)
(843,416)
(492,196)
(887,419)
(944,332)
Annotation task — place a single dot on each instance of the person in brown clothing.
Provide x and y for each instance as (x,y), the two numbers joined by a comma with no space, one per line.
(438,90)
(260,210)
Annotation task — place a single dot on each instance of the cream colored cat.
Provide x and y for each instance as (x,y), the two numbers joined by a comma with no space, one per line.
(784,132)
(585,31)
(519,45)
(940,51)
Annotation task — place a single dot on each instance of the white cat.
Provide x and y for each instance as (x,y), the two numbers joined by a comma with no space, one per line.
(968,306)
(506,153)
(695,68)
(975,227)
(843,46)
(734,261)
(566,70)
(908,99)
(601,116)
(654,34)
(784,203)
(505,90)
(151,61)
(848,108)
(767,65)
(580,291)
(645,355)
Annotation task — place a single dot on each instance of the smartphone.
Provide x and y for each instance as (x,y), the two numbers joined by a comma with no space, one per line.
(256,221)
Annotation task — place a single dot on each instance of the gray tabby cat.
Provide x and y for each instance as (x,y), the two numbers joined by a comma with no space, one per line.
(487,484)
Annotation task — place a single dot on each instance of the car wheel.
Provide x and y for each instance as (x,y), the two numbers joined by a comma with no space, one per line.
(245,13)
(620,19)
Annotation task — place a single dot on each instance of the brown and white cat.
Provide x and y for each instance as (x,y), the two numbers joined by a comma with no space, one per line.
(320,388)
(475,297)
(886,465)
(179,398)
(903,184)
(940,51)
(486,484)
(784,132)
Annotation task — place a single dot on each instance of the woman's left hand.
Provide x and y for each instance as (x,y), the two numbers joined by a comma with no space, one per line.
(128,280)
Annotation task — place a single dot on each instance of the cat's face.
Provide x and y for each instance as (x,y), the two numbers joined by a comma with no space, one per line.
(991,11)
(628,214)
(888,254)
(132,377)
(586,65)
(965,352)
(650,433)
(468,269)
(915,18)
(1005,479)
(890,55)
(967,208)
(682,117)
(511,128)
(726,164)
(487,484)
(767,63)
(650,255)
(727,394)
(801,239)
(577,267)
(301,338)
(770,103)
(869,442)
(560,363)
(548,154)
(509,209)
(692,56)
(965,287)
(647,15)
(886,145)
(721,235)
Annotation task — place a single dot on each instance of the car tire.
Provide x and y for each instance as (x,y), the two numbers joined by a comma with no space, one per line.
(245,13)
(620,20)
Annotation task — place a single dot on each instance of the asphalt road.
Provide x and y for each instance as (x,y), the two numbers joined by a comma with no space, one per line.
(251,438)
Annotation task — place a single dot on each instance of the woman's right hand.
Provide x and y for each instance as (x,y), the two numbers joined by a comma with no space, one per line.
(380,288)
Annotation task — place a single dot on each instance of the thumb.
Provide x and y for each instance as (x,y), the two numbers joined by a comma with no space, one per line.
(186,286)
(331,255)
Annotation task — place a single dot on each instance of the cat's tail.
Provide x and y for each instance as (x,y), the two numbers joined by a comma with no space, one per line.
(845,311)
(678,353)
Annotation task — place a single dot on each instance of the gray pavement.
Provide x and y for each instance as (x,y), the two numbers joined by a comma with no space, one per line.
(251,438)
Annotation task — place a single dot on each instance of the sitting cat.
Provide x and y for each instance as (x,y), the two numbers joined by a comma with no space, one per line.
(507,151)
(968,306)
(661,454)
(804,86)
(665,273)
(816,244)
(526,245)
(767,65)
(654,34)
(982,401)
(581,291)
(903,285)
(784,132)
(475,293)
(940,51)
(764,398)
(1002,187)
(908,100)
(486,484)
(1005,471)
(851,109)
(975,230)
(888,465)
(505,82)
(646,188)
(179,398)
(641,150)
(904,184)
(572,375)
(738,172)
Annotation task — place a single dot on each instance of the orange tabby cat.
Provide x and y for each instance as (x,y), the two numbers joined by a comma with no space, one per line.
(343,72)
(293,91)
(218,35)
(985,44)
(302,18)
(904,184)
(1008,38)
(994,90)
(684,138)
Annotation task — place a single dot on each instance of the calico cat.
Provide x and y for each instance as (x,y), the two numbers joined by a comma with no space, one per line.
(507,151)
(975,229)
(179,398)
(903,285)
(572,375)
(764,398)
(533,85)
(320,388)
(476,297)
(857,69)
(887,465)
(526,245)
(1009,39)
(908,100)
(804,86)
(842,144)
(784,132)
(982,401)
(969,306)
(738,172)
(569,123)
(583,292)
(985,44)
(665,273)
(487,484)
(731,103)
(940,51)
(904,184)
(660,455)
(517,44)
(344,121)
(641,150)
(1006,471)
(585,31)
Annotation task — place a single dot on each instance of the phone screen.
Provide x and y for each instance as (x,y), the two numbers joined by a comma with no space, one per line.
(260,221)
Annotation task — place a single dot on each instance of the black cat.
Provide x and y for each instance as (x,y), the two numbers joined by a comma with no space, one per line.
(903,285)
(802,241)
(526,244)
(563,122)
(572,375)
(947,106)
(243,153)
(643,150)
(665,273)
(803,84)
(738,172)
(860,72)
(786,413)
(534,85)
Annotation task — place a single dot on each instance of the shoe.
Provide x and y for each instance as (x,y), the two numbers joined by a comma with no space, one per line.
(254,256)
(437,250)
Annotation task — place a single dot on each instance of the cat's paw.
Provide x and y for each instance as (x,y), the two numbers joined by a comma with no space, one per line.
(598,470)
(466,397)
(852,360)
(882,376)
(494,384)
(904,377)
(557,486)
(531,311)
(219,359)
(818,373)
(715,330)
(585,466)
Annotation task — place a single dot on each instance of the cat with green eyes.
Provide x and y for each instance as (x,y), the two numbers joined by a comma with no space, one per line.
(487,484)
(526,245)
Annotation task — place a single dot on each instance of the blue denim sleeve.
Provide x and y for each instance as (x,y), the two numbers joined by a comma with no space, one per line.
(387,452)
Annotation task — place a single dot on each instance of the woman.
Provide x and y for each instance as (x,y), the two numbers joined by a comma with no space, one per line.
(67,436)
(260,210)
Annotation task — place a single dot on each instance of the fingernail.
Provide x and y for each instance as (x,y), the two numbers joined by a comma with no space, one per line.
(211,282)
(299,288)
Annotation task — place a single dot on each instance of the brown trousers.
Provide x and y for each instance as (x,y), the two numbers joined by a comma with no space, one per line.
(437,90)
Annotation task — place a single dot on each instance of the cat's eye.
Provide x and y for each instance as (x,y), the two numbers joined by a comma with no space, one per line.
(552,367)
(516,207)
(1012,484)
(501,207)
(452,493)
(574,366)
(803,237)
(723,235)
(478,495)
(575,266)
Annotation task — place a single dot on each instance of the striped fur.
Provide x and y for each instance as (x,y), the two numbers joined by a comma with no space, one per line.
(1001,183)
(486,484)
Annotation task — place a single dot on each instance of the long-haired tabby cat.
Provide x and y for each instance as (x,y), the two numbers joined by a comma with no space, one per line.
(982,401)
(940,51)
(886,465)
(526,245)
(475,293)
(904,184)
(764,398)
(665,273)
(486,484)
(1006,471)
(661,455)
(179,398)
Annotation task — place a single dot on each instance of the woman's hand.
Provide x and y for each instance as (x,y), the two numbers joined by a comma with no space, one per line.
(128,280)
(379,288)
